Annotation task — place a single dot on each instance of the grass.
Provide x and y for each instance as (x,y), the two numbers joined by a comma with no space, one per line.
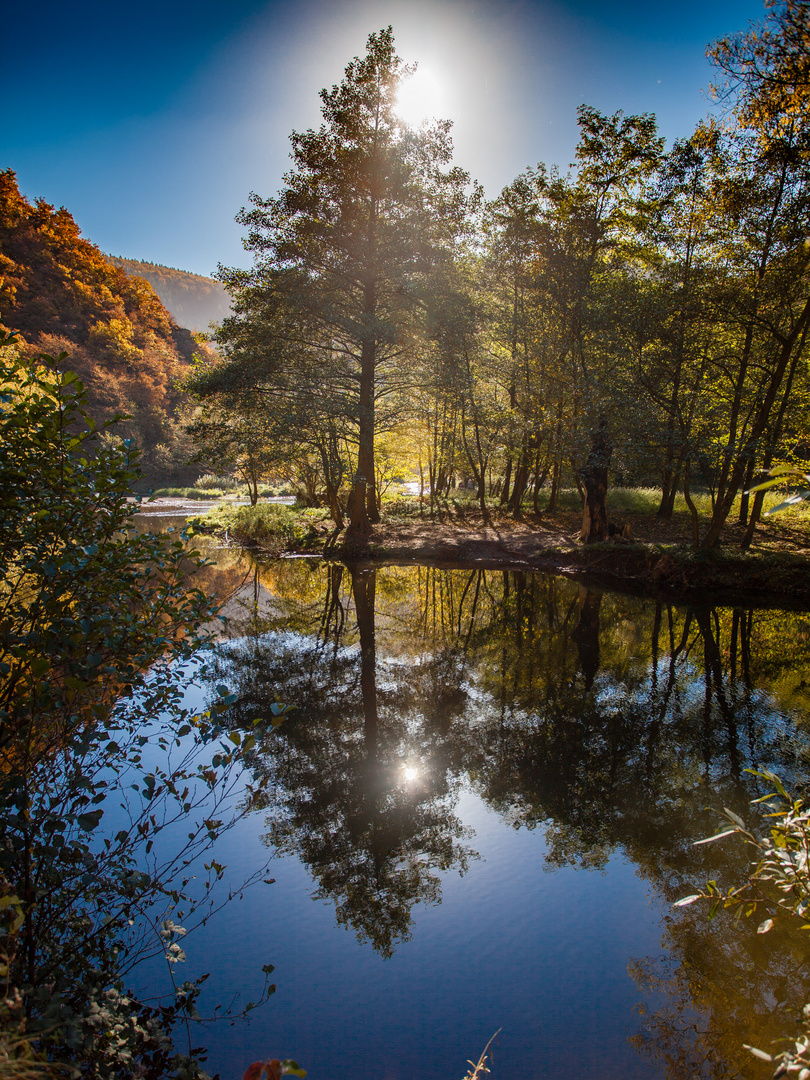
(270,526)
(235,491)
(620,501)
(187,493)
(646,500)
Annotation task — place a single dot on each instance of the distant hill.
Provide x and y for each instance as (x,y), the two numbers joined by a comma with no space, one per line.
(194,300)
(60,294)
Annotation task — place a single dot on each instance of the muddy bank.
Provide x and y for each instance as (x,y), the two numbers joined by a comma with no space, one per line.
(675,574)
(774,573)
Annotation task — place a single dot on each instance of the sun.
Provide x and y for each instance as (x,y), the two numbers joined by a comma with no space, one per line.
(420,98)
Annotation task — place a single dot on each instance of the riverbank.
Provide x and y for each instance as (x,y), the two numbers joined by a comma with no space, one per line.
(661,562)
(658,560)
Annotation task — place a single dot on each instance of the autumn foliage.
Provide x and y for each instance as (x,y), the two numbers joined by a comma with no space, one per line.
(60,294)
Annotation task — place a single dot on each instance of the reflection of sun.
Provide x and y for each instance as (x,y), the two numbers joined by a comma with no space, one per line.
(419,98)
(410,773)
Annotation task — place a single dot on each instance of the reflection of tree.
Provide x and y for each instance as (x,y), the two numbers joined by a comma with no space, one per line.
(612,723)
(633,765)
(723,985)
(373,836)
(586,633)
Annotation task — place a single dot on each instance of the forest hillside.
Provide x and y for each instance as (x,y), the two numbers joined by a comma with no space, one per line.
(193,300)
(59,293)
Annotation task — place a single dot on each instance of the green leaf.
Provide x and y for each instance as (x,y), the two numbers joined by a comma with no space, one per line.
(717,836)
(787,470)
(90,820)
(292,1068)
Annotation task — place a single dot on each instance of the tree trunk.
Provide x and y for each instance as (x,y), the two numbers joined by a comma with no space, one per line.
(734,476)
(540,477)
(507,479)
(594,475)
(362,493)
(477,463)
(749,477)
(521,480)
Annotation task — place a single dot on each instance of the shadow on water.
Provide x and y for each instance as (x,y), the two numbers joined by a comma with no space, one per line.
(615,725)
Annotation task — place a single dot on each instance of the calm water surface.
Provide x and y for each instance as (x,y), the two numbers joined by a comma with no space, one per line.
(478,816)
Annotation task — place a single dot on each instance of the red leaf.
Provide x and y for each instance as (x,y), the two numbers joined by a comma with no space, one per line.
(254,1071)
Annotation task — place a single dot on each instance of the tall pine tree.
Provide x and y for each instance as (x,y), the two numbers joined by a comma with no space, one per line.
(370,212)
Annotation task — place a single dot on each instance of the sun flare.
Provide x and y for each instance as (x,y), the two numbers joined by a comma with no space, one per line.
(420,98)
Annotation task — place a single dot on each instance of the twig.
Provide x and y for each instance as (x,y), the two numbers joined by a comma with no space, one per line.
(479,1068)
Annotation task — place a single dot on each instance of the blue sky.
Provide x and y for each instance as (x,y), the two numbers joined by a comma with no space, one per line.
(152,122)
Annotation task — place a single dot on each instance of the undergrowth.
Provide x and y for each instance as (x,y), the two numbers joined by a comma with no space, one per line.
(270,526)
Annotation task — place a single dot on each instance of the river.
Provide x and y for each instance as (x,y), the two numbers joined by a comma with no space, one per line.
(478,814)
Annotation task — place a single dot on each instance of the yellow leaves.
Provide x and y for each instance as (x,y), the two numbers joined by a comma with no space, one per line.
(116,336)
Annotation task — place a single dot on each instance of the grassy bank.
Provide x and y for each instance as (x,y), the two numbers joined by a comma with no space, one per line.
(659,559)
(271,527)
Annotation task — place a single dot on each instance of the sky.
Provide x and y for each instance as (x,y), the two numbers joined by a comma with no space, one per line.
(152,122)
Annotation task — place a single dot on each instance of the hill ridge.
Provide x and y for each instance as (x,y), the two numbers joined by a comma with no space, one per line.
(194,300)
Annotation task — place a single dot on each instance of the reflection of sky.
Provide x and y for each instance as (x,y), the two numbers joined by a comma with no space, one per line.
(153,122)
(541,955)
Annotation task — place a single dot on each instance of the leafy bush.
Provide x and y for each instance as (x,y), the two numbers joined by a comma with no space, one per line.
(218,483)
(778,888)
(95,618)
(191,493)
(271,526)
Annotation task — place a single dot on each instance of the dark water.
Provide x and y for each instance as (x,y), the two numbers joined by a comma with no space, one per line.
(479,815)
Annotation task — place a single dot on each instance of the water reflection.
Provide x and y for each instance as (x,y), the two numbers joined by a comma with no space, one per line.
(334,779)
(613,724)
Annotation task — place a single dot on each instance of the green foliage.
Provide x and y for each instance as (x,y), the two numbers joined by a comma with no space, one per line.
(187,493)
(270,526)
(785,474)
(328,323)
(777,889)
(213,481)
(95,618)
(665,291)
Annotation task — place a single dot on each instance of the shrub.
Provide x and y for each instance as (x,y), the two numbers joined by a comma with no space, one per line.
(220,483)
(778,888)
(95,618)
(271,526)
